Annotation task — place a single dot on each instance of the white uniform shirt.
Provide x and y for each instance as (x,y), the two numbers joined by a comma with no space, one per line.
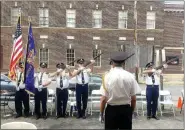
(120,85)
(148,79)
(86,73)
(22,78)
(45,78)
(65,80)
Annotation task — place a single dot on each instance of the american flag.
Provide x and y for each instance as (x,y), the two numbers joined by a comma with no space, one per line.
(17,51)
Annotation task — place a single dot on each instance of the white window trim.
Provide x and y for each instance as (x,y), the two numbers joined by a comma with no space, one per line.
(19,9)
(93,19)
(70,37)
(48,56)
(43,36)
(150,38)
(39,17)
(96,38)
(122,38)
(100,59)
(126,20)
(74,57)
(74,18)
(147,19)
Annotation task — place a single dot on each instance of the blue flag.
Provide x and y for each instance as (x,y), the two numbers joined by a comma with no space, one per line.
(29,63)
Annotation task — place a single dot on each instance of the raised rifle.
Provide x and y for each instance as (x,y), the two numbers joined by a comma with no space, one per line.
(169,61)
(89,62)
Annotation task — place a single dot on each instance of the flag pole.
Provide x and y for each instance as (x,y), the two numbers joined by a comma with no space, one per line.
(29,19)
(21,59)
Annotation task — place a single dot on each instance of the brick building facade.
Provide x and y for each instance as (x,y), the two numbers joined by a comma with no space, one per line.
(66,30)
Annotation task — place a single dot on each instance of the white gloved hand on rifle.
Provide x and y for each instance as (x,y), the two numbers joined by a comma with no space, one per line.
(22,86)
(81,68)
(92,61)
(40,88)
(165,66)
(67,67)
(59,70)
(153,70)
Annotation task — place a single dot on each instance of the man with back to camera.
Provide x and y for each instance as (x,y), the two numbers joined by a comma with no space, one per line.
(118,91)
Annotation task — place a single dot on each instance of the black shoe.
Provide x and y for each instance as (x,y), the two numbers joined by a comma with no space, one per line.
(26,115)
(45,117)
(78,116)
(37,117)
(155,117)
(148,117)
(84,117)
(58,116)
(18,115)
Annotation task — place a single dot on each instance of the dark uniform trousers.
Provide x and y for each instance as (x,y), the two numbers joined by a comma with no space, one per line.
(22,96)
(62,98)
(41,97)
(81,93)
(152,95)
(118,117)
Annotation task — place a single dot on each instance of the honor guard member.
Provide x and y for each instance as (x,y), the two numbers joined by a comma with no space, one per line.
(41,92)
(21,95)
(118,91)
(62,76)
(82,77)
(152,89)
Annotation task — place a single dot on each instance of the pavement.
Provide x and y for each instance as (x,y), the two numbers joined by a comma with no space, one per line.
(167,121)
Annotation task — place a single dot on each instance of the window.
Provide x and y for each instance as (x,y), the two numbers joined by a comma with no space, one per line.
(43,17)
(70,56)
(97,19)
(150,20)
(122,19)
(70,18)
(14,15)
(122,48)
(98,60)
(44,56)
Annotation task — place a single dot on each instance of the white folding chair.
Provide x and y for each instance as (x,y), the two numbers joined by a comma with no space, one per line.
(143,101)
(71,102)
(140,99)
(50,100)
(95,99)
(167,101)
(32,102)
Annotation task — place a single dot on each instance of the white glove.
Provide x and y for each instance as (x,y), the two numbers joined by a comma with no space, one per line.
(22,85)
(165,66)
(67,66)
(40,87)
(153,70)
(59,70)
(92,61)
(17,88)
(81,68)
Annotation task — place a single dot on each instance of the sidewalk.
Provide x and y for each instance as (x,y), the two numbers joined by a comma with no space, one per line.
(168,121)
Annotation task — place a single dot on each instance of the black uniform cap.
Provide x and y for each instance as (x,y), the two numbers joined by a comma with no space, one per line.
(21,65)
(119,57)
(60,65)
(80,61)
(149,65)
(43,65)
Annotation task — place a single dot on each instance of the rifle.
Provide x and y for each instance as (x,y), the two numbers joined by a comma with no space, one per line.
(89,62)
(169,61)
